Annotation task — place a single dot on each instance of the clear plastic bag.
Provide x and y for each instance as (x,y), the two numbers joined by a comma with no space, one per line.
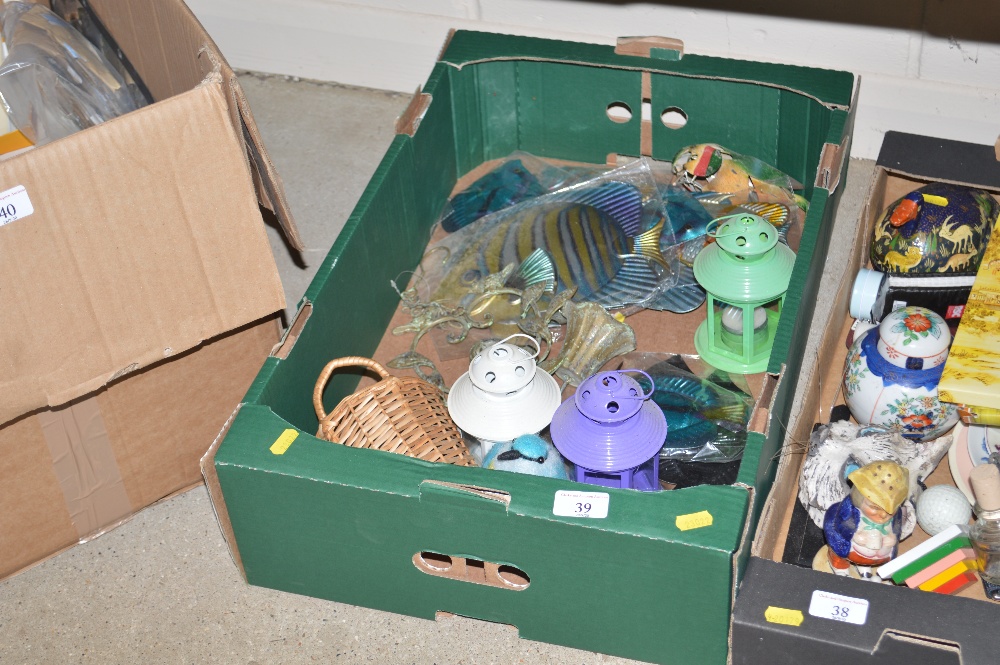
(53,81)
(597,241)
(620,216)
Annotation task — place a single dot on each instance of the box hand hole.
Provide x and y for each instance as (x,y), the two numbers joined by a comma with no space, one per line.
(513,577)
(619,112)
(435,561)
(476,571)
(674,117)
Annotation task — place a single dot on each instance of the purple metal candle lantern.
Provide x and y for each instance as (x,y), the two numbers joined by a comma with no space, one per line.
(612,432)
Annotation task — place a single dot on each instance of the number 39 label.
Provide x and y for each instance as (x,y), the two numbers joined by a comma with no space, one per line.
(14,205)
(826,605)
(581,504)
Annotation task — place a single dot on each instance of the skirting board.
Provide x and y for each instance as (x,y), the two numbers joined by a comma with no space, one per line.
(391,45)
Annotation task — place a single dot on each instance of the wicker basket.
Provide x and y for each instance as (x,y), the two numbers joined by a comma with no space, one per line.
(403,415)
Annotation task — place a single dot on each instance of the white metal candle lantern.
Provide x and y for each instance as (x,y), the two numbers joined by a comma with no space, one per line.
(503,395)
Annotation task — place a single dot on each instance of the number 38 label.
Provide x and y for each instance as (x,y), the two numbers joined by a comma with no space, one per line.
(580,504)
(14,205)
(826,605)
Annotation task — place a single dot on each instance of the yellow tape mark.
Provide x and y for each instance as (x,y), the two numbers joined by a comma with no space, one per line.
(282,443)
(619,317)
(782,615)
(693,520)
(935,200)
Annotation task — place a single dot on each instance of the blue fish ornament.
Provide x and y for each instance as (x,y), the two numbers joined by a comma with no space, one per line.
(592,237)
(529,454)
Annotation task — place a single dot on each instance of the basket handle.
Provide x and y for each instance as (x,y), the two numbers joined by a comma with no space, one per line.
(346,361)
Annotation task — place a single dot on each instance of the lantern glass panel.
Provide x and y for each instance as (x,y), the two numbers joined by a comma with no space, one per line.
(739,336)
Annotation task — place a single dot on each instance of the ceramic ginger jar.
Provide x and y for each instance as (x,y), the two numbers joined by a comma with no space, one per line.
(892,373)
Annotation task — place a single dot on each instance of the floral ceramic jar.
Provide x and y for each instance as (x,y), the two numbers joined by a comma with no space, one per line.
(892,375)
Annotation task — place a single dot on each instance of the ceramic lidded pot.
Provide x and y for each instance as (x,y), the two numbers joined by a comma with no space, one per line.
(892,374)
(936,229)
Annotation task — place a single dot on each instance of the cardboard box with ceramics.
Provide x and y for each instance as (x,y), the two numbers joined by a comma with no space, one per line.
(128,334)
(653,580)
(774,609)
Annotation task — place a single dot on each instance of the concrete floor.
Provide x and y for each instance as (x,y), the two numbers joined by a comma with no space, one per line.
(162,588)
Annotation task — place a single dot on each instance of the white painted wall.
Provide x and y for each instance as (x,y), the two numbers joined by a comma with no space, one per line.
(927,66)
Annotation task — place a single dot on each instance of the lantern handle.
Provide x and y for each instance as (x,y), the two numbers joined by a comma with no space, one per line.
(714,234)
(538,346)
(652,383)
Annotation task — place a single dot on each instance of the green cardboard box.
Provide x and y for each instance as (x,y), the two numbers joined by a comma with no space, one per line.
(395,533)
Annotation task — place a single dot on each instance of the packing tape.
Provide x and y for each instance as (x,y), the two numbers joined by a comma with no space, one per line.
(85,465)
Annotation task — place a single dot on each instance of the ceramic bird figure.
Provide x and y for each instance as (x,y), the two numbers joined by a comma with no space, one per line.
(711,167)
(528,454)
(837,449)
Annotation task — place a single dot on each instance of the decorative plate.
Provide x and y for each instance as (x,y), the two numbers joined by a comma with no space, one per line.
(959,461)
(983,441)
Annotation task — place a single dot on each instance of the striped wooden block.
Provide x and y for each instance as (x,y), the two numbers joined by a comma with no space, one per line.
(963,566)
(958,583)
(939,566)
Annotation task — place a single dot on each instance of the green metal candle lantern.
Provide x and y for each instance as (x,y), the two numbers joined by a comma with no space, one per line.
(746,273)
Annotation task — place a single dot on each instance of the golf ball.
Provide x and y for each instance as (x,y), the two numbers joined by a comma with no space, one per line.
(941,506)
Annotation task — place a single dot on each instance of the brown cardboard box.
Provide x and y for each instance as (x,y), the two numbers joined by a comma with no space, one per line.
(773,615)
(140,296)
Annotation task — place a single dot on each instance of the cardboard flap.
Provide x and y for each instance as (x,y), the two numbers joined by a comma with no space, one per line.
(183,56)
(932,158)
(145,239)
(409,121)
(270,188)
(831,162)
(667,48)
(163,47)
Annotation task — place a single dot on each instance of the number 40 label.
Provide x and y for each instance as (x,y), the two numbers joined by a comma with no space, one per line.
(826,605)
(14,205)
(580,504)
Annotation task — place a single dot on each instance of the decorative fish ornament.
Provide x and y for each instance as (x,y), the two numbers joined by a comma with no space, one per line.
(700,413)
(502,187)
(705,422)
(685,295)
(591,237)
(688,216)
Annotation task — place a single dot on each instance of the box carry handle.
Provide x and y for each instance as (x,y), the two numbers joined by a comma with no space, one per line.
(664,48)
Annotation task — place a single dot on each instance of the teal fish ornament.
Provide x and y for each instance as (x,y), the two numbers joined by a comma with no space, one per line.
(591,239)
(504,186)
(699,413)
